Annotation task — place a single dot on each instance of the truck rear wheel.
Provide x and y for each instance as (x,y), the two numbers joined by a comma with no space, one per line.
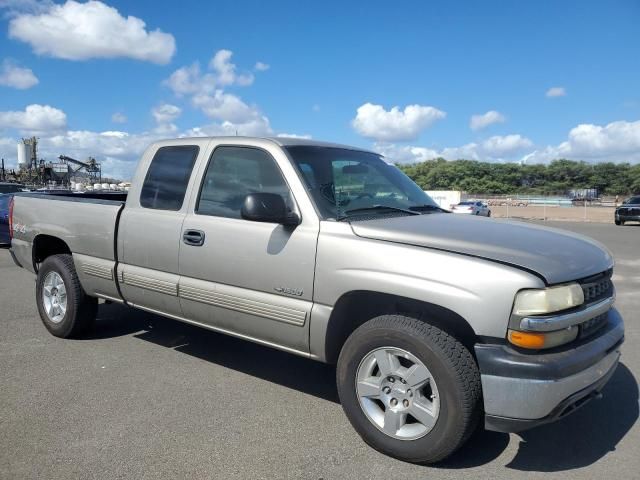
(409,389)
(64,307)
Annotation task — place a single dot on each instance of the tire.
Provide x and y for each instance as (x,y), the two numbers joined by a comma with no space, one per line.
(618,222)
(80,310)
(456,385)
(489,213)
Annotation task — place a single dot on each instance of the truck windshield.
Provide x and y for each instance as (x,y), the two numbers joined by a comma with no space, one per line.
(347,183)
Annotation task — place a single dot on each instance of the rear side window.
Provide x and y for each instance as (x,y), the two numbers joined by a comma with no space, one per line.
(167,178)
(234,172)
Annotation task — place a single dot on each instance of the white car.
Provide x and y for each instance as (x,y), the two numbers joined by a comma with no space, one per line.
(472,208)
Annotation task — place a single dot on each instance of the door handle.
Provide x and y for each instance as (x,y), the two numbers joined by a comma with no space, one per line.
(195,238)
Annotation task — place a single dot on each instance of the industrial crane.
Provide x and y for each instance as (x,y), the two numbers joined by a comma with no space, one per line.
(90,166)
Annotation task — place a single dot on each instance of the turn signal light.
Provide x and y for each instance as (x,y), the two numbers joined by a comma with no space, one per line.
(537,341)
(527,339)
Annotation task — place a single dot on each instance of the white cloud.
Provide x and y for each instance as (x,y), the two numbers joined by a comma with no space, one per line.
(257,127)
(35,119)
(373,121)
(261,67)
(615,142)
(119,117)
(615,138)
(225,106)
(481,121)
(190,80)
(81,31)
(226,71)
(166,113)
(556,92)
(496,148)
(207,92)
(405,153)
(11,75)
(294,135)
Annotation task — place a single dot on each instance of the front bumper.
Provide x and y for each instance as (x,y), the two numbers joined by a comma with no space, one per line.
(627,218)
(523,390)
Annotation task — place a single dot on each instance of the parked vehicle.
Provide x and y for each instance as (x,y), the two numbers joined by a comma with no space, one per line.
(434,320)
(4,219)
(9,187)
(472,208)
(629,211)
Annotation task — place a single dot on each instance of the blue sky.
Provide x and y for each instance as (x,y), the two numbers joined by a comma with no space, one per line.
(545,79)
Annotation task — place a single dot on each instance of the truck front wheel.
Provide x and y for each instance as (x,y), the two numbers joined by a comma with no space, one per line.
(64,307)
(408,388)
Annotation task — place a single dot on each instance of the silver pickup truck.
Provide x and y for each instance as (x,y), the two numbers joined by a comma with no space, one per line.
(435,321)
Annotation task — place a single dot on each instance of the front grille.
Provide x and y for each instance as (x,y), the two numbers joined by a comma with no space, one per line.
(598,287)
(630,211)
(595,289)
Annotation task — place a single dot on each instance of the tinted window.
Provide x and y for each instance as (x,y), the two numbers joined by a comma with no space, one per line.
(634,200)
(167,178)
(232,174)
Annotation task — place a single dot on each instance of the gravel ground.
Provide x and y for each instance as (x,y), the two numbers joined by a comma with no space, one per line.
(146,397)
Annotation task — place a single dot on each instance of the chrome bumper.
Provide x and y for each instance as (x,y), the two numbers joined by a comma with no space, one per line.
(558,322)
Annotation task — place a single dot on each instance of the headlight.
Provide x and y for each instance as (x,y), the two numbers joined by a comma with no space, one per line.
(548,300)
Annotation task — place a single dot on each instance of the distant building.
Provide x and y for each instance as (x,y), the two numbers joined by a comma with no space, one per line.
(445,198)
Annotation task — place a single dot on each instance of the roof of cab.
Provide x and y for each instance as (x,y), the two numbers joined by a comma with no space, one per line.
(281,141)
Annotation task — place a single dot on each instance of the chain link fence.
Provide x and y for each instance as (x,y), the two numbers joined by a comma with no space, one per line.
(549,207)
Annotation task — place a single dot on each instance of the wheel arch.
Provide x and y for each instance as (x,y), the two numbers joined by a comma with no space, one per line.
(46,245)
(356,307)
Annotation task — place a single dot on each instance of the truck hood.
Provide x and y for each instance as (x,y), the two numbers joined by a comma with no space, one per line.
(555,255)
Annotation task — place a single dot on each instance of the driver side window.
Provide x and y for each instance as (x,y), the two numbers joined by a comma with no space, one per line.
(235,172)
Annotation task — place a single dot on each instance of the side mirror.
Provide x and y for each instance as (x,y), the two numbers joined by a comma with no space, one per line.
(269,208)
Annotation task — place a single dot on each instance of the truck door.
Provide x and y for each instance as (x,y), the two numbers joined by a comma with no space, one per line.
(249,278)
(150,227)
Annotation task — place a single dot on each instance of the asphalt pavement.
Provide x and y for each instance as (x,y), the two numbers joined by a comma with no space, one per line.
(147,397)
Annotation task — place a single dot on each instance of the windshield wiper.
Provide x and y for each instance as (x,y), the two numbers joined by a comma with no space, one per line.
(376,207)
(423,208)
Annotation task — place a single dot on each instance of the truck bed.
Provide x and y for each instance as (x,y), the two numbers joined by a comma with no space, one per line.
(85,223)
